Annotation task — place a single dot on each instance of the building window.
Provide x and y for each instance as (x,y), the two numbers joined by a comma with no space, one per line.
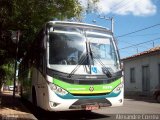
(132,75)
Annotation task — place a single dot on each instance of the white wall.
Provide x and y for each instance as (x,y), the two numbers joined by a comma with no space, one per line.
(152,61)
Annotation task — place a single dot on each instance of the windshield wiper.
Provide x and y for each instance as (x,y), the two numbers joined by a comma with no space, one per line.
(89,58)
(105,70)
(81,61)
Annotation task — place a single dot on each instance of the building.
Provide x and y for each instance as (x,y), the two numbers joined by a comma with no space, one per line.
(142,72)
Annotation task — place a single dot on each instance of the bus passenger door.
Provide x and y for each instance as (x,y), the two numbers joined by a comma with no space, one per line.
(39,88)
(41,82)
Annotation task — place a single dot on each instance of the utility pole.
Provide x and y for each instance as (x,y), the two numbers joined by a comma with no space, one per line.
(111,19)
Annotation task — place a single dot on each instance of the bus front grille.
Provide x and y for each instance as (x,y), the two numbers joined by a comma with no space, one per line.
(93,94)
(82,103)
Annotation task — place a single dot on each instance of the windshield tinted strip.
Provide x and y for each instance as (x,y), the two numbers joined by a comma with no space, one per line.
(66,32)
(82,79)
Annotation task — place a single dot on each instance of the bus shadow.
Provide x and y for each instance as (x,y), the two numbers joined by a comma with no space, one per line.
(70,115)
(41,114)
(8,103)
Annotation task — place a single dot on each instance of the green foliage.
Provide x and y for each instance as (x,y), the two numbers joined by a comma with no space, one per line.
(6,73)
(28,16)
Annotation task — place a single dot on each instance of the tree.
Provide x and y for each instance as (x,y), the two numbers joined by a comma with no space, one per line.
(6,73)
(28,16)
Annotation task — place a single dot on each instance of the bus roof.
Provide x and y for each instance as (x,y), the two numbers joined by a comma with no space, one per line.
(79,24)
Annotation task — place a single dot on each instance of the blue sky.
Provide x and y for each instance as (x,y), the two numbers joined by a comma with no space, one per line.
(129,16)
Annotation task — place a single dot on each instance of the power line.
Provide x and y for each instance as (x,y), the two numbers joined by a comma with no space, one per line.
(140,43)
(124,5)
(133,44)
(142,35)
(118,4)
(138,30)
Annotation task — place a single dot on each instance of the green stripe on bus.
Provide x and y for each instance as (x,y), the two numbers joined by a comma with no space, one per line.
(86,89)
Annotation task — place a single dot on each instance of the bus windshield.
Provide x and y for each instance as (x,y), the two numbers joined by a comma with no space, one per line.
(65,48)
(68,48)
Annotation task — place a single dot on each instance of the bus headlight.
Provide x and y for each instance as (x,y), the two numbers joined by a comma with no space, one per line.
(118,88)
(57,89)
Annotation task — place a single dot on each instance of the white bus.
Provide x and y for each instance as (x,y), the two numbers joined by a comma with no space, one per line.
(72,66)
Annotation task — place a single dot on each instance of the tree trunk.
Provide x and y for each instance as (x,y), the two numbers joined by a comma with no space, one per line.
(1,87)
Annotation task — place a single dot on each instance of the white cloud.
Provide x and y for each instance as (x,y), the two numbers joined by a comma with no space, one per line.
(125,7)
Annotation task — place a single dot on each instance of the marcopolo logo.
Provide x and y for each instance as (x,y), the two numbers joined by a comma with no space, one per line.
(91,88)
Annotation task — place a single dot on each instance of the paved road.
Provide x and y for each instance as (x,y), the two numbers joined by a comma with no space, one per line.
(132,109)
(136,109)
(13,109)
(132,106)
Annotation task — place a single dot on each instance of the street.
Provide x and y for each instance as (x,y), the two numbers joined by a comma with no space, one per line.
(132,106)
(132,109)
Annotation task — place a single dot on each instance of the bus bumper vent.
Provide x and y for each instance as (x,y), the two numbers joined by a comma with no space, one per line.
(82,103)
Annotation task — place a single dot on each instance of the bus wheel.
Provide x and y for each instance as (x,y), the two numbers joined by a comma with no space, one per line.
(34,97)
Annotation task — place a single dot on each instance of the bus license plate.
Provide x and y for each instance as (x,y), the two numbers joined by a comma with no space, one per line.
(92,107)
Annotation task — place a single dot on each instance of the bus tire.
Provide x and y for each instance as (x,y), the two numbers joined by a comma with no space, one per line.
(158,98)
(34,97)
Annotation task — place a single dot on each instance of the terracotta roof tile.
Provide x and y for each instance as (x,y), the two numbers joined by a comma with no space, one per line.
(155,49)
